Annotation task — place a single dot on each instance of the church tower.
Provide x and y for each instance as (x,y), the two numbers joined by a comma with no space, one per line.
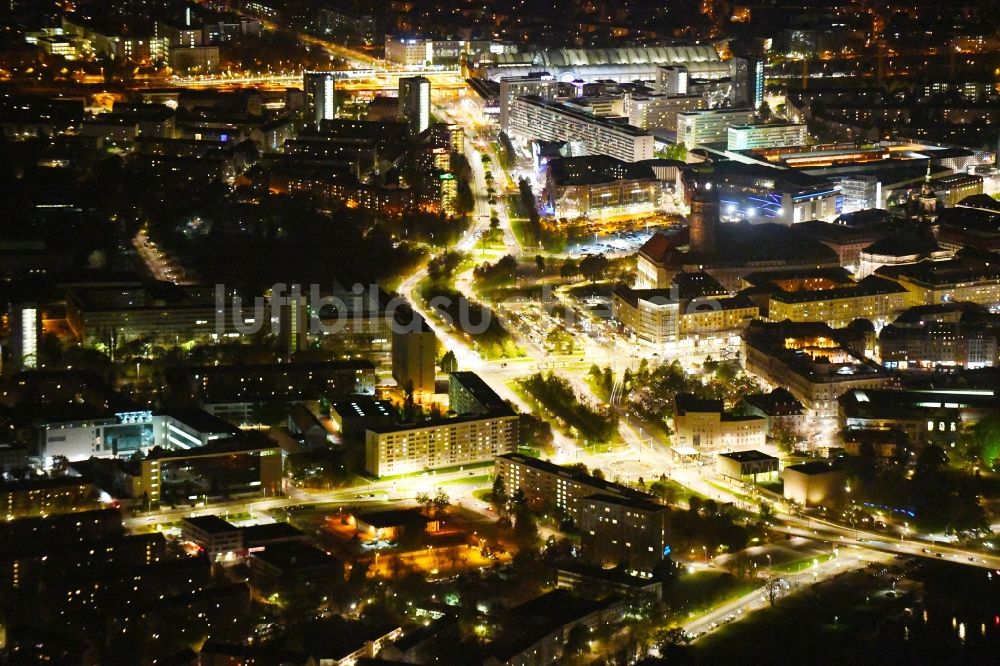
(704,218)
(927,202)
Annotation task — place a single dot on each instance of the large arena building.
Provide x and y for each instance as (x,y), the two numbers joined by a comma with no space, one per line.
(619,64)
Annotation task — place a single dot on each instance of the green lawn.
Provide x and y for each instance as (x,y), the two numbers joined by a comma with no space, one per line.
(696,593)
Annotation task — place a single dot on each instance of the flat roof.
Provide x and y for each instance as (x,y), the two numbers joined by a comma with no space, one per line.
(481,391)
(270,532)
(362,406)
(565,110)
(393,517)
(815,467)
(638,503)
(198,419)
(751,455)
(574,474)
(293,555)
(211,524)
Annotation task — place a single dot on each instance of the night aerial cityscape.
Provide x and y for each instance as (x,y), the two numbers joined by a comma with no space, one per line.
(499,333)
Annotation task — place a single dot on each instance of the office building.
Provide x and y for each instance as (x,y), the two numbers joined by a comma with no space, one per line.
(534,119)
(250,465)
(539,84)
(625,533)
(660,111)
(659,316)
(704,425)
(807,359)
(237,392)
(747,74)
(707,127)
(354,415)
(672,80)
(873,298)
(782,410)
(220,540)
(922,416)
(776,135)
(547,485)
(25,332)
(414,356)
(949,335)
(748,465)
(469,395)
(217,538)
(411,448)
(188,428)
(415,102)
(970,276)
(814,483)
(84,433)
(195,59)
(320,96)
(598,186)
(160,312)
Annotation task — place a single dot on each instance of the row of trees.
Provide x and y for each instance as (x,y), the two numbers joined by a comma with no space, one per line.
(557,396)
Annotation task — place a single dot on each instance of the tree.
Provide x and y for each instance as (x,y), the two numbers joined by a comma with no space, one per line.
(772,589)
(674,151)
(577,641)
(525,533)
(498,496)
(449,362)
(664,491)
(569,269)
(440,502)
(931,460)
(593,267)
(540,263)
(766,512)
(534,431)
(764,112)
(785,437)
(673,637)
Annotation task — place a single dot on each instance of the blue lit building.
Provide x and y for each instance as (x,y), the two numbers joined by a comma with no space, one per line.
(758,193)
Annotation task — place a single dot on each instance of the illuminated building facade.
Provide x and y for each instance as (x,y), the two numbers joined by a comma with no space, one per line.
(415,102)
(626,533)
(547,485)
(535,119)
(706,426)
(406,449)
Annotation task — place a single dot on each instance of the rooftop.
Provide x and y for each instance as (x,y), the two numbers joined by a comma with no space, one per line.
(570,112)
(290,556)
(576,475)
(814,468)
(394,518)
(211,524)
(199,420)
(481,391)
(271,532)
(362,406)
(779,402)
(637,503)
(747,456)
